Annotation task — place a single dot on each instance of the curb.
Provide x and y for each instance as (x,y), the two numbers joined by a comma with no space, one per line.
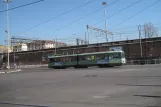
(31,66)
(11,71)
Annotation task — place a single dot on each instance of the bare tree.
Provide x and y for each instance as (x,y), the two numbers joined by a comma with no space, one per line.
(149,30)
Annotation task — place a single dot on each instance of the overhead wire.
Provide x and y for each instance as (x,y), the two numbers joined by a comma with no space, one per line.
(138,13)
(66,12)
(131,27)
(85,16)
(119,11)
(22,6)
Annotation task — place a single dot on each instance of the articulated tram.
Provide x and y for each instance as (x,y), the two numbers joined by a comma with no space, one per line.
(84,60)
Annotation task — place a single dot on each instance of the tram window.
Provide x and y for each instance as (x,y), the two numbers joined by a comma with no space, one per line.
(73,58)
(69,59)
(87,57)
(101,56)
(65,59)
(117,55)
(51,60)
(57,59)
(62,59)
(82,57)
(111,56)
(98,57)
(123,55)
(106,56)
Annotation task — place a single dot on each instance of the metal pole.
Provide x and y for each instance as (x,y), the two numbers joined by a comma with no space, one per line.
(6,47)
(14,58)
(97,39)
(139,28)
(7,32)
(88,34)
(105,15)
(85,39)
(55,44)
(14,53)
(13,49)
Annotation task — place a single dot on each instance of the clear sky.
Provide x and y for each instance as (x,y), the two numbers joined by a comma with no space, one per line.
(26,17)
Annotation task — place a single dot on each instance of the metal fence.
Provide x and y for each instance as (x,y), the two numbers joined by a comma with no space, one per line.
(141,62)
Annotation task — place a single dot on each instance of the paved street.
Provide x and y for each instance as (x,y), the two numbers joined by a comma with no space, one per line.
(128,86)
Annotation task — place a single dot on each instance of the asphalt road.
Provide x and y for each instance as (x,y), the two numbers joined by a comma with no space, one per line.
(128,86)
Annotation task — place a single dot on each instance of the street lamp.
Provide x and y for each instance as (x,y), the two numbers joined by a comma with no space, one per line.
(141,53)
(55,40)
(105,15)
(7,32)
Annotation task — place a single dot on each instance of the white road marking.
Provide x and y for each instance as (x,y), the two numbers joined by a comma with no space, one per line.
(109,93)
(124,70)
(100,96)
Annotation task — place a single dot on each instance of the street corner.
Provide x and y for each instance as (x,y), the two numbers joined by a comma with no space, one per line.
(10,71)
(14,70)
(2,72)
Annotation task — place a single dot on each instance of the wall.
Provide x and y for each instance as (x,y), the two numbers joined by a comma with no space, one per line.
(132,50)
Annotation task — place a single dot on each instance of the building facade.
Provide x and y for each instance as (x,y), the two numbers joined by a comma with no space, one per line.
(4,49)
(20,47)
(37,45)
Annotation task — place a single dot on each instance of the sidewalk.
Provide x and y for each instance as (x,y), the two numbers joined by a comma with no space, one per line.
(3,71)
(32,66)
(11,71)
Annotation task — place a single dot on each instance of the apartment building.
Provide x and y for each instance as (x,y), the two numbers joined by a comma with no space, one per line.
(37,45)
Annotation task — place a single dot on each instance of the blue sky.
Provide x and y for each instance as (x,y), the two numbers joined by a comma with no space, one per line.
(26,17)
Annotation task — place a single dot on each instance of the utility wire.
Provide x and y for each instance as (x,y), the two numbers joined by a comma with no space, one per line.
(138,13)
(86,16)
(59,15)
(131,27)
(22,6)
(119,11)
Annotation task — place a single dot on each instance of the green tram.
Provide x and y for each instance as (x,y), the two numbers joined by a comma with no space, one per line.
(83,60)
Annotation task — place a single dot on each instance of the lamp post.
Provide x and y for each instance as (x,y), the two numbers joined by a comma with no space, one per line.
(55,40)
(105,15)
(7,32)
(139,28)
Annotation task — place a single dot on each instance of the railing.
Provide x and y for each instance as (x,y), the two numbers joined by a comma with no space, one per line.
(141,62)
(32,66)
